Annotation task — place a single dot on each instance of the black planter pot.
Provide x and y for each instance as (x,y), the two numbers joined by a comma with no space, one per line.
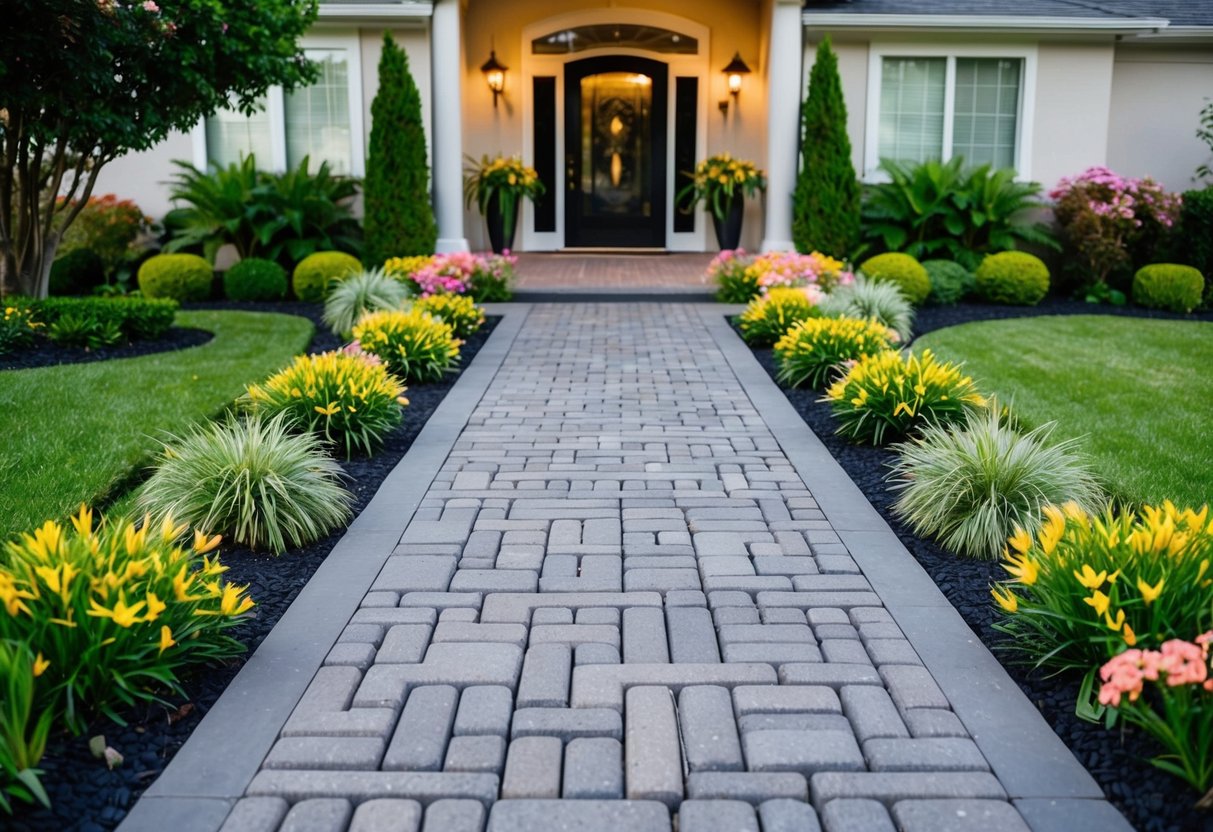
(728,230)
(501,238)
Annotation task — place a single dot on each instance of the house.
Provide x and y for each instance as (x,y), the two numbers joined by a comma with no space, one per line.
(613,102)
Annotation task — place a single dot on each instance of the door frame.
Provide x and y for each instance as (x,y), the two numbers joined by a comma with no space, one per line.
(694,66)
(658,71)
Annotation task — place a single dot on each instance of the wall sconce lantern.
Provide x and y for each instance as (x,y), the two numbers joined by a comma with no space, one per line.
(734,71)
(494,75)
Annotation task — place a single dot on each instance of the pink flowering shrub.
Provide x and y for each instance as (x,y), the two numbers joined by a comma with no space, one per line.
(1111,222)
(790,268)
(1176,709)
(486,277)
(729,270)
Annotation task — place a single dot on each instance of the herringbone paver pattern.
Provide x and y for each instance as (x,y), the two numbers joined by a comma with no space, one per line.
(619,602)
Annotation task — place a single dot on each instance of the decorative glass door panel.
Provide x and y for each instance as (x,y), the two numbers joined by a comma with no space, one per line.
(615,147)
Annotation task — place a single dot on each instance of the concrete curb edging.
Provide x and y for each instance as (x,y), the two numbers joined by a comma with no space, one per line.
(1054,792)
(212,770)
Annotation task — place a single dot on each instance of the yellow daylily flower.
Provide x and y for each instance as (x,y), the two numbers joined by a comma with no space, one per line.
(1090,578)
(1023,568)
(40,664)
(204,544)
(1130,636)
(1150,594)
(1021,541)
(166,638)
(1005,599)
(122,614)
(1114,623)
(83,521)
(154,607)
(1099,602)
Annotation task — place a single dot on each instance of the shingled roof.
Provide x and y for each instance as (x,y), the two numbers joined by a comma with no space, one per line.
(1176,12)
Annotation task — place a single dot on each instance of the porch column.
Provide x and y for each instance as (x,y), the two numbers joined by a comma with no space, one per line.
(446,58)
(783,121)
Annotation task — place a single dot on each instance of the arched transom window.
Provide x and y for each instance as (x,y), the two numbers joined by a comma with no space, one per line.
(615,36)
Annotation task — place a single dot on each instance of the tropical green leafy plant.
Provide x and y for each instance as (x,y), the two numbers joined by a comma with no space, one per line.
(253,481)
(970,485)
(930,209)
(275,216)
(366,291)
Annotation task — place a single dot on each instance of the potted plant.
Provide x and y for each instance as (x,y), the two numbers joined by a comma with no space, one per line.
(722,183)
(496,186)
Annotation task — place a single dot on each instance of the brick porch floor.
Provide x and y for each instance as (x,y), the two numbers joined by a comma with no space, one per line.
(624,273)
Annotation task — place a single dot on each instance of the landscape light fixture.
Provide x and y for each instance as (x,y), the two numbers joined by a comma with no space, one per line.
(494,75)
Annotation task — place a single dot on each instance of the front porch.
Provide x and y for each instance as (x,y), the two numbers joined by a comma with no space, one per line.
(625,274)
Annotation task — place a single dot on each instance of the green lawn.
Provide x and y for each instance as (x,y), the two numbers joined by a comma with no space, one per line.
(77,433)
(1139,391)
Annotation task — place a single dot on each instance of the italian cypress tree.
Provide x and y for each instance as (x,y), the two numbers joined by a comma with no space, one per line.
(399,220)
(825,204)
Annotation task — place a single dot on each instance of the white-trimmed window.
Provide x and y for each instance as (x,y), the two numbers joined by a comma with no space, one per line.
(322,121)
(927,103)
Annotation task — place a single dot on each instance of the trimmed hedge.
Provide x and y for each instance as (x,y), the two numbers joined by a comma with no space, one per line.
(314,273)
(181,277)
(903,270)
(136,318)
(77,272)
(254,279)
(1013,277)
(1168,286)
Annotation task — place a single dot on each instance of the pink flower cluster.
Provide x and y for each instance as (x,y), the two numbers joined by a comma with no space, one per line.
(1108,194)
(1181,662)
(452,274)
(355,348)
(790,268)
(729,262)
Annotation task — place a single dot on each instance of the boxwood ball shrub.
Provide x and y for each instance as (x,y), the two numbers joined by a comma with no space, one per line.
(902,270)
(950,282)
(769,316)
(1168,286)
(252,481)
(887,395)
(864,298)
(367,291)
(314,273)
(812,349)
(254,279)
(142,605)
(460,311)
(1086,586)
(415,345)
(181,277)
(77,272)
(971,484)
(348,398)
(1013,277)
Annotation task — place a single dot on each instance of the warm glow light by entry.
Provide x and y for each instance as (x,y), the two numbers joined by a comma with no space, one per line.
(641,80)
(735,70)
(494,75)
(734,83)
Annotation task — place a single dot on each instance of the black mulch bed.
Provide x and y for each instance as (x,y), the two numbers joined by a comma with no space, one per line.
(46,353)
(85,796)
(1151,800)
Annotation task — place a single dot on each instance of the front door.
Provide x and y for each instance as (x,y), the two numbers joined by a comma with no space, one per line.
(615,152)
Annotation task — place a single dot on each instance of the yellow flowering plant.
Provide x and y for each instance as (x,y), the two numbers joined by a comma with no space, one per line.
(403,268)
(769,316)
(717,180)
(23,728)
(415,345)
(1086,586)
(460,311)
(113,611)
(348,397)
(17,327)
(887,395)
(812,349)
(504,178)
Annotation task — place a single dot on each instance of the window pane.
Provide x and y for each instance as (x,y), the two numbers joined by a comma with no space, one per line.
(318,117)
(231,134)
(987,110)
(911,108)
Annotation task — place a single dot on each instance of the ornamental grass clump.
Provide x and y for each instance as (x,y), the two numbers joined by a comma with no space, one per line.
(251,480)
(367,291)
(812,349)
(415,345)
(1178,711)
(112,611)
(887,395)
(863,298)
(769,316)
(460,311)
(349,398)
(969,485)
(1087,586)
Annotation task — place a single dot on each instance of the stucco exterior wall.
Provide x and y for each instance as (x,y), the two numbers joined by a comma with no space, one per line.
(1157,95)
(734,27)
(143,176)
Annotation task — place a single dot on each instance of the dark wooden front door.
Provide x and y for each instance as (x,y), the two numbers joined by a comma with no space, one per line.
(615,152)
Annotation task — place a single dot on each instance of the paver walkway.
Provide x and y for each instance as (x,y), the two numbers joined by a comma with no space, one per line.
(619,601)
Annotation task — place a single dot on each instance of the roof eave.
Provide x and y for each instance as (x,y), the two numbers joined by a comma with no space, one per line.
(981,23)
(373,12)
